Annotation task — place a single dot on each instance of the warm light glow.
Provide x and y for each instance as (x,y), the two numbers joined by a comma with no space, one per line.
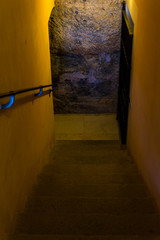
(133,9)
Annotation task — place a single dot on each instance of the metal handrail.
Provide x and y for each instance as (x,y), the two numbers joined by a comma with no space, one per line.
(12,94)
(24,90)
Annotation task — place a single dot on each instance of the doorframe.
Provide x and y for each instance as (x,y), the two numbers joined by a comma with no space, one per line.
(127,33)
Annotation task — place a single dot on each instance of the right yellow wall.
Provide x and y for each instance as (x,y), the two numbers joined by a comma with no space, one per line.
(144,112)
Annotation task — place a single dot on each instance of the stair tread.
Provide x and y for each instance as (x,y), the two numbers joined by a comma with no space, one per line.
(99,191)
(52,205)
(89,224)
(89,178)
(90,170)
(83,237)
(88,148)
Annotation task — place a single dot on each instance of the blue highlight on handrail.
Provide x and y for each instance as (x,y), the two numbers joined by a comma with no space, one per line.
(8,105)
(40,93)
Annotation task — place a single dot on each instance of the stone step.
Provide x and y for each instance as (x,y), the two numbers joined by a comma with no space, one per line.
(84,237)
(89,169)
(88,145)
(89,152)
(89,149)
(88,178)
(107,158)
(84,159)
(88,224)
(114,206)
(91,191)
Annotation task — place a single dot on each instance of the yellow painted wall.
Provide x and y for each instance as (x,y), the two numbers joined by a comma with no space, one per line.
(27,129)
(144,117)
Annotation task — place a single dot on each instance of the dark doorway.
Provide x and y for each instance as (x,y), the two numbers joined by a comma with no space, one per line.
(125,72)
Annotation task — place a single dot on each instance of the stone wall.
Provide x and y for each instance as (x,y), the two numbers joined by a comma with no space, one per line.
(85,44)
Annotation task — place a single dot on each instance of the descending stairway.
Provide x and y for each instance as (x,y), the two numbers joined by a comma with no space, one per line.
(91,190)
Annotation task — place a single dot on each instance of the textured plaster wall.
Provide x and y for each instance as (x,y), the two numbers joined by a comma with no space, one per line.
(144,117)
(85,43)
(26,130)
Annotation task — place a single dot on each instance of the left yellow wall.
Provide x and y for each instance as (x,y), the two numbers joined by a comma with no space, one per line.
(27,129)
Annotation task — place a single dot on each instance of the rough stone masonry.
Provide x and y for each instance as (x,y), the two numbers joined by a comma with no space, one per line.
(85,47)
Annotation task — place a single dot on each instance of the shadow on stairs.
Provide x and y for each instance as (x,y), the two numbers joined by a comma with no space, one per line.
(90,190)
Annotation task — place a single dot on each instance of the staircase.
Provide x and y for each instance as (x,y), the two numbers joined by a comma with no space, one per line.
(90,190)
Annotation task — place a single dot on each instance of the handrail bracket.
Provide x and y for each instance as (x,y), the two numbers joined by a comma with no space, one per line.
(8,105)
